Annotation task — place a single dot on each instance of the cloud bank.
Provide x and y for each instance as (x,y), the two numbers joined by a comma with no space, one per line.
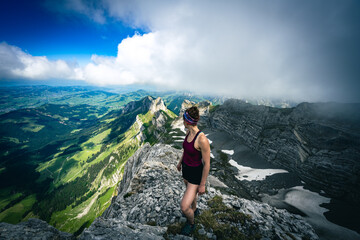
(17,64)
(299,50)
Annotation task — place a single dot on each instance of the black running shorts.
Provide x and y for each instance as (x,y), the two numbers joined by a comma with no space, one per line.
(192,174)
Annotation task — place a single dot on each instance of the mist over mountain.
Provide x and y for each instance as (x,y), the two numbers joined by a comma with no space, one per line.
(318,140)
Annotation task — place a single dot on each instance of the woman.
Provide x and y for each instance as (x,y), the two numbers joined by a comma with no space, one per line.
(195,165)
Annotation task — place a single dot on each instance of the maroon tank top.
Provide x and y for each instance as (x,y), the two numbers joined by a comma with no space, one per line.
(192,157)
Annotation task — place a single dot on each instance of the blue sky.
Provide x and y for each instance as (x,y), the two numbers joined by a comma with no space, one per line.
(299,50)
(42,31)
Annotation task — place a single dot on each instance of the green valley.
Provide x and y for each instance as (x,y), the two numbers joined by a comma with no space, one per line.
(14,98)
(62,163)
(63,149)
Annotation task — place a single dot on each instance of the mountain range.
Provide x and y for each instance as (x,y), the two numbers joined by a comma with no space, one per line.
(69,164)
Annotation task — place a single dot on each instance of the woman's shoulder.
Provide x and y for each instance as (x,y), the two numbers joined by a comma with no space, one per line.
(201,134)
(202,137)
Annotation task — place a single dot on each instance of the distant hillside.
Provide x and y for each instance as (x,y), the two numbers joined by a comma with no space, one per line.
(14,98)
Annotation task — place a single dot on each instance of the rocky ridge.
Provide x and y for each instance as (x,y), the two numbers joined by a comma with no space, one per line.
(148,203)
(150,194)
(157,110)
(320,141)
(32,229)
(146,104)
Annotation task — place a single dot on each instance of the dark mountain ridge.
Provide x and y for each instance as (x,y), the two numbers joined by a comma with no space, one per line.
(320,141)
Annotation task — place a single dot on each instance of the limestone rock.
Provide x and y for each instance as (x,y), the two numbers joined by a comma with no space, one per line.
(119,229)
(151,193)
(204,111)
(144,105)
(32,229)
(157,105)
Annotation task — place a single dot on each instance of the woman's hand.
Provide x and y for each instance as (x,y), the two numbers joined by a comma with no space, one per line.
(201,189)
(179,166)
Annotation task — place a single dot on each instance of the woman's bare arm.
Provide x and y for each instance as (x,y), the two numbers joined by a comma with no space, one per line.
(205,152)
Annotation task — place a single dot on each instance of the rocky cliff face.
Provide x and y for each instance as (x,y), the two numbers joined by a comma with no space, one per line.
(204,110)
(202,106)
(32,229)
(157,105)
(146,104)
(156,109)
(318,141)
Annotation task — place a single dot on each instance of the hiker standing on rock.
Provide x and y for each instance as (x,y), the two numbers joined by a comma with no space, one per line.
(195,165)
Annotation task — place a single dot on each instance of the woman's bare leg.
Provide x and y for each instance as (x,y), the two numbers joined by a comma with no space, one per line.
(187,200)
(193,204)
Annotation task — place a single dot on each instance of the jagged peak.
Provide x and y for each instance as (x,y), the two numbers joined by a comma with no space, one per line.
(157,105)
(203,106)
(145,104)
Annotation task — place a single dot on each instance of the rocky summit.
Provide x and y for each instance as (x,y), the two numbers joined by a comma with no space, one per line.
(148,207)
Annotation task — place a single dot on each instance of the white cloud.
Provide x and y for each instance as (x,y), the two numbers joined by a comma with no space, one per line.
(238,48)
(151,58)
(15,63)
(280,49)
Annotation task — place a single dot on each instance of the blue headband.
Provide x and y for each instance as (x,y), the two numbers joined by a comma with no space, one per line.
(189,119)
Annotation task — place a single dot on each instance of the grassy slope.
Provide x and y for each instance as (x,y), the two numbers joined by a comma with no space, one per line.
(74,218)
(15,213)
(49,115)
(81,215)
(101,156)
(7,196)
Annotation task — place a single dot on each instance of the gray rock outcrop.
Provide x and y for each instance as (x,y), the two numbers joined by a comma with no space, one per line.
(32,229)
(157,108)
(157,105)
(204,110)
(150,194)
(202,106)
(320,142)
(144,105)
(103,228)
